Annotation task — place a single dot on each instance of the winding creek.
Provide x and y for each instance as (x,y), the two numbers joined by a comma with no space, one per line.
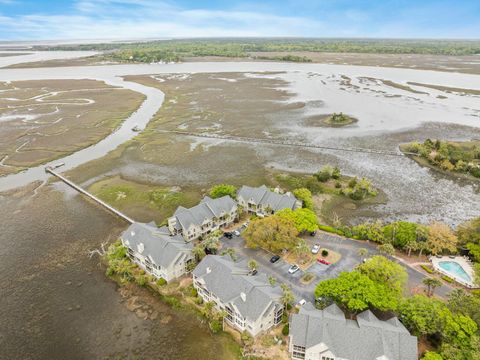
(55,301)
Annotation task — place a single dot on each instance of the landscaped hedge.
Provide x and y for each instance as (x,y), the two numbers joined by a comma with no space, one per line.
(428,269)
(331,229)
(447,279)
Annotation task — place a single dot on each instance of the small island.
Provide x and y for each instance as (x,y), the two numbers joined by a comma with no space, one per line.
(462,158)
(340,119)
(330,120)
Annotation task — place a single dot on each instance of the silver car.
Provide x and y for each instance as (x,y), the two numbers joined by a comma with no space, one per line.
(315,249)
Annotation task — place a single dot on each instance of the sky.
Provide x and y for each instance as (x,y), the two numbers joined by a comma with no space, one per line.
(136,19)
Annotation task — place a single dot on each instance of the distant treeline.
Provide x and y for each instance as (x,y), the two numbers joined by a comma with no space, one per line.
(174,50)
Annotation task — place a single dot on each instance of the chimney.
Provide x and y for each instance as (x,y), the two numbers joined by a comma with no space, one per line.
(209,270)
(243,296)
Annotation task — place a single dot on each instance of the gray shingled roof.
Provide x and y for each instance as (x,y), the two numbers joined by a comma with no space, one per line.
(366,338)
(206,209)
(162,248)
(228,279)
(262,195)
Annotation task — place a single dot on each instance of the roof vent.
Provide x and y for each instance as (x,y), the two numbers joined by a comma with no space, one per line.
(132,233)
(243,296)
(209,270)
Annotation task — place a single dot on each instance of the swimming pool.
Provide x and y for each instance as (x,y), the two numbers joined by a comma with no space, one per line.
(456,269)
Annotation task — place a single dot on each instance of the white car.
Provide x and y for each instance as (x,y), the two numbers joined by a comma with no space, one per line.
(315,249)
(293,269)
(302,302)
(236,233)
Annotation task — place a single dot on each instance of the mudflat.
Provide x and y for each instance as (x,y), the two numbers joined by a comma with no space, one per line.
(42,120)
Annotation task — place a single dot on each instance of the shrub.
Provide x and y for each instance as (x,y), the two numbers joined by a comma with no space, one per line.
(172,301)
(141,280)
(285,329)
(223,189)
(324,252)
(338,184)
(216,326)
(198,300)
(161,282)
(307,277)
(285,318)
(447,279)
(427,268)
(193,292)
(330,229)
(325,173)
(246,338)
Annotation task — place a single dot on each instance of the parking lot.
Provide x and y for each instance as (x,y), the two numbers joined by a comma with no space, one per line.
(348,249)
(279,270)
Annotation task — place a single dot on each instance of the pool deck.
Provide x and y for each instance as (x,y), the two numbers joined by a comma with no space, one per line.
(464,262)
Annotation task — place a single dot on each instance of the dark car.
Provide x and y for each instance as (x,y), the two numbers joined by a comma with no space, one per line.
(253,272)
(313,233)
(274,258)
(228,235)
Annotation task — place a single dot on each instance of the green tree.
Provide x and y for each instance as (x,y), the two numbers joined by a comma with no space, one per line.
(431,284)
(302,250)
(474,250)
(401,233)
(430,355)
(272,280)
(252,264)
(441,238)
(421,315)
(273,233)
(231,252)
(304,219)
(469,232)
(198,252)
(305,196)
(357,292)
(461,302)
(386,249)
(386,272)
(220,190)
(287,295)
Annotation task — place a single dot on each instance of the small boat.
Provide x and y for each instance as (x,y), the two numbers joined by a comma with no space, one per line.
(56,166)
(136,128)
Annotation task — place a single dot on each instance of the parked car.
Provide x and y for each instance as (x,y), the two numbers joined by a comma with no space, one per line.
(253,272)
(313,233)
(323,261)
(302,302)
(228,235)
(237,233)
(274,258)
(293,269)
(315,249)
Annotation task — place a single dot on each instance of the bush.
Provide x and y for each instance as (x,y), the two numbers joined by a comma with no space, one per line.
(222,190)
(331,229)
(285,318)
(324,252)
(161,282)
(141,280)
(338,184)
(427,268)
(172,301)
(286,329)
(447,279)
(216,326)
(325,173)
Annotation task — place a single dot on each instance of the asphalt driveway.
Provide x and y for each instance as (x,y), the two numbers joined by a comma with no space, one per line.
(348,249)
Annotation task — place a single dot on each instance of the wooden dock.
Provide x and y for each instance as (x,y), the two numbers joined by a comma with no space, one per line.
(87,194)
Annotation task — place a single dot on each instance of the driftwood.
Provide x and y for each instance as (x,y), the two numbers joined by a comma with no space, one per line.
(100,251)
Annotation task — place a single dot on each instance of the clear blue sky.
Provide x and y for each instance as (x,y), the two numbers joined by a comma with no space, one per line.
(90,19)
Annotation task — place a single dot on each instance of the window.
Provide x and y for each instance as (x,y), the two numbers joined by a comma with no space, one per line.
(298,355)
(299,348)
(327,358)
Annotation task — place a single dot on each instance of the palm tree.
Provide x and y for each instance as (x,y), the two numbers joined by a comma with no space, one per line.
(287,296)
(272,280)
(411,245)
(252,264)
(431,284)
(231,252)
